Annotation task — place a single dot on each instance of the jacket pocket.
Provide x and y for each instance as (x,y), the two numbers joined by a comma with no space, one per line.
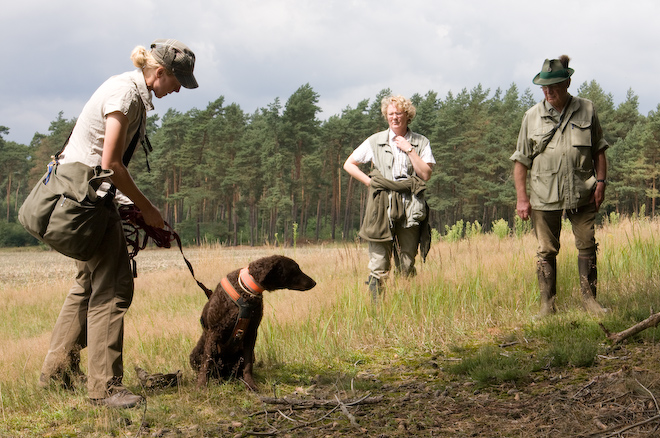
(540,139)
(581,133)
(545,185)
(584,182)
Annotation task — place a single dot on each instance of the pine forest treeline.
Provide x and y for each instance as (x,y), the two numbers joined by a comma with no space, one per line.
(222,175)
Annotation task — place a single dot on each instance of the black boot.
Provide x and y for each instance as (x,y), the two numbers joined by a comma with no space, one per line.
(546,270)
(588,279)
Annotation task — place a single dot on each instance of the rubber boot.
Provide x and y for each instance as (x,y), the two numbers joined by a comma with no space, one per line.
(546,270)
(588,279)
(374,287)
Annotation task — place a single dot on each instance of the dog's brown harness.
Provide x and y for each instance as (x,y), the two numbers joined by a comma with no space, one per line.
(252,288)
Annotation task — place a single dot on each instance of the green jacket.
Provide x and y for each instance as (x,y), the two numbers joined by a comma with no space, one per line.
(385,205)
(562,174)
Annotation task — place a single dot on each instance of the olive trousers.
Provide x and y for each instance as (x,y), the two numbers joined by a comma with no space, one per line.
(547,226)
(93,315)
(403,248)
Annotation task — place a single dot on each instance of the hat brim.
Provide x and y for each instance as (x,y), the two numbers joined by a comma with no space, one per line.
(538,80)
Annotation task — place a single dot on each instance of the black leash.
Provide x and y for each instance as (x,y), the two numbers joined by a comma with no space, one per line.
(133,223)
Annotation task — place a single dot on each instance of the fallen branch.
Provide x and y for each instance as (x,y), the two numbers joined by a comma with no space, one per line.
(319,403)
(618,432)
(306,404)
(651,321)
(345,412)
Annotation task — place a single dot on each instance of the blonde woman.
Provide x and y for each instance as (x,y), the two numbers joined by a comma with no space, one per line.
(92,317)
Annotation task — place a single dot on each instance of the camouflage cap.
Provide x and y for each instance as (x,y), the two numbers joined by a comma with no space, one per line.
(552,72)
(177,58)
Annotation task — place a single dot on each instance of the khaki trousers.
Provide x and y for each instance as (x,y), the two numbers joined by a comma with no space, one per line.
(547,226)
(93,315)
(403,248)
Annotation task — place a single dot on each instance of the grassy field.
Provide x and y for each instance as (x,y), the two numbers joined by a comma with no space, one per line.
(471,295)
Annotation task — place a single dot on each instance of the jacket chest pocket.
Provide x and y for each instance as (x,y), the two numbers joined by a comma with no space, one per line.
(580,133)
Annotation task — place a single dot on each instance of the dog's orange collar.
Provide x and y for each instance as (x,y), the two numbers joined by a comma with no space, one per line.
(247,282)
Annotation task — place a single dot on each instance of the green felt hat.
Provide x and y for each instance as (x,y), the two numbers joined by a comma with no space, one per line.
(552,72)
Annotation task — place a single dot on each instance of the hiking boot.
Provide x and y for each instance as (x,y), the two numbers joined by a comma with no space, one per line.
(121,399)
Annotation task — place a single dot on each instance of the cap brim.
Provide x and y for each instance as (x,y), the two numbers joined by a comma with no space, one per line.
(186,81)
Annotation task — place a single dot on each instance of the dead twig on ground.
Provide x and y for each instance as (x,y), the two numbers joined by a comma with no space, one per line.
(651,321)
(309,404)
(618,432)
(314,403)
(344,410)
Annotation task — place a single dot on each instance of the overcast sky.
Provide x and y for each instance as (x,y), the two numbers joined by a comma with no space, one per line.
(55,54)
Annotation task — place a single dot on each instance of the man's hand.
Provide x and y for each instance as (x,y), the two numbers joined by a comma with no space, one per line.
(523,208)
(599,195)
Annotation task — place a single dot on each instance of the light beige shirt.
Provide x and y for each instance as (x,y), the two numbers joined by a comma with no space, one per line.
(126,93)
(562,174)
(365,153)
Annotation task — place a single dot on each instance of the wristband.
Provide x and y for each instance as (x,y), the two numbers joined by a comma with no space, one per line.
(601,181)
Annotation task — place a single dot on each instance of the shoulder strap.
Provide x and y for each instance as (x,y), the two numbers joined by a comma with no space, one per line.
(57,155)
(131,147)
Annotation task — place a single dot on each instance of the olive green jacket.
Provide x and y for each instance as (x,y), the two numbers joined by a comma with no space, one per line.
(562,174)
(385,205)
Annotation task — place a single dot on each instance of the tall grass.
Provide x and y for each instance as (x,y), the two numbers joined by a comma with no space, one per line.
(470,292)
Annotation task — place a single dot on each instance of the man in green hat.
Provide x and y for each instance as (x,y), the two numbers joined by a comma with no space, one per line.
(561,147)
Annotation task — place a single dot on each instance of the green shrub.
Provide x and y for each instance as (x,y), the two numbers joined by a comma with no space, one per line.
(13,235)
(435,235)
(613,218)
(521,227)
(501,228)
(492,365)
(455,232)
(473,229)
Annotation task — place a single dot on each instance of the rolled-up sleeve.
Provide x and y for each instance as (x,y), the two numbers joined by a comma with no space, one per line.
(523,153)
(598,142)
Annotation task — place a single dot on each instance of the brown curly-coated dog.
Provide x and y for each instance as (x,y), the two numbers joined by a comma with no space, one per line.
(226,347)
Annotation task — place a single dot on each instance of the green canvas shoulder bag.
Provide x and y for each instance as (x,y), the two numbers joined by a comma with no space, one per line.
(64,211)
